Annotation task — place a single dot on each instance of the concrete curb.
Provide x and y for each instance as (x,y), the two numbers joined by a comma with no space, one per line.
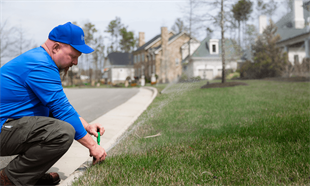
(79,172)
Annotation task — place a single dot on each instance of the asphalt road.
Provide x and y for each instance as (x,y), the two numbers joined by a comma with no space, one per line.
(91,103)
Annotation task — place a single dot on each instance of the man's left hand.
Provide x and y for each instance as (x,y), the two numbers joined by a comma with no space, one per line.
(93,128)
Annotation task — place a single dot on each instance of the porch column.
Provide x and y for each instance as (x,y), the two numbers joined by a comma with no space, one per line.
(307,47)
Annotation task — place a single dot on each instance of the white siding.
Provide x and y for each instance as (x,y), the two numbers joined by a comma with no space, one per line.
(212,68)
(120,74)
(296,51)
(184,48)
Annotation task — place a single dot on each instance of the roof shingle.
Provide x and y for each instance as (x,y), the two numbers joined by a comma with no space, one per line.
(120,58)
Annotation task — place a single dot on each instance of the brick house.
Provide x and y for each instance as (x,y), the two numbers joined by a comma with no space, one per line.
(162,55)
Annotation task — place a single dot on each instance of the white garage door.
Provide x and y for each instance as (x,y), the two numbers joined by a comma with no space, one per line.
(206,73)
(219,72)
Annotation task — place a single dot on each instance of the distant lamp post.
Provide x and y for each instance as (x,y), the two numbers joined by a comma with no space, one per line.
(204,72)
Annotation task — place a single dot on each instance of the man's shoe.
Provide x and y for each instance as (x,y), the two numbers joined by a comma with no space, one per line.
(4,179)
(51,178)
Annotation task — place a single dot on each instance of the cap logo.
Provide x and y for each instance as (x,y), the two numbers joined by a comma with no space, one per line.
(82,37)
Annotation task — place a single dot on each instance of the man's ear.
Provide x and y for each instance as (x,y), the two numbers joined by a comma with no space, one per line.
(56,47)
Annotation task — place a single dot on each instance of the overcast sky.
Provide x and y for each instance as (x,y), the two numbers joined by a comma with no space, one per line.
(39,17)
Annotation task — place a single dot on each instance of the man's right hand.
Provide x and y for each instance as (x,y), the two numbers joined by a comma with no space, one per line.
(98,153)
(95,150)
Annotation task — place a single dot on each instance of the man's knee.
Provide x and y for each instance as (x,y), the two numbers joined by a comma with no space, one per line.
(62,135)
(68,133)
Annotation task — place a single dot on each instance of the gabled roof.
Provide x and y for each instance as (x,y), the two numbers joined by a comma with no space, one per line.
(120,58)
(143,47)
(148,44)
(286,27)
(172,38)
(204,51)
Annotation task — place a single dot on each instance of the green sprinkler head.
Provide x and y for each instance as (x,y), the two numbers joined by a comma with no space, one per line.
(98,138)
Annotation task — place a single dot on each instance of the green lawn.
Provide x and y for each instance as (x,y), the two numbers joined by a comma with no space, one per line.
(244,135)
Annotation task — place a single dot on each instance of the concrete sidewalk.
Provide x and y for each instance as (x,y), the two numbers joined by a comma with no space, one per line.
(115,122)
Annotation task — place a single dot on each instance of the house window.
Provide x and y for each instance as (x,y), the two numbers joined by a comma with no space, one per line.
(296,59)
(213,48)
(135,59)
(153,57)
(142,57)
(177,61)
(138,58)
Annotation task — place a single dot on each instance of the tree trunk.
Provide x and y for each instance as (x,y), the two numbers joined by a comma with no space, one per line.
(190,30)
(223,41)
(239,32)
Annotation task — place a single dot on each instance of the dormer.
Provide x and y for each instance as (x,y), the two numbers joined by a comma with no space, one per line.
(214,46)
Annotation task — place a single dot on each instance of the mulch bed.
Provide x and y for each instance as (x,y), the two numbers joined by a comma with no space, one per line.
(222,85)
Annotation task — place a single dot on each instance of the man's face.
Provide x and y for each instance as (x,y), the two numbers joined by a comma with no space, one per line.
(65,56)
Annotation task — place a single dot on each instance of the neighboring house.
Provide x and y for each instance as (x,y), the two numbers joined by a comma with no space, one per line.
(295,33)
(162,55)
(118,66)
(294,30)
(206,61)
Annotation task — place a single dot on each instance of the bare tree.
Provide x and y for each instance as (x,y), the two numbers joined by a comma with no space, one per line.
(23,44)
(223,41)
(179,26)
(98,57)
(193,21)
(221,18)
(268,8)
(7,41)
(289,5)
(89,31)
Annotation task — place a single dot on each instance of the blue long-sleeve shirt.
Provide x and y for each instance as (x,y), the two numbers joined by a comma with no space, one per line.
(30,85)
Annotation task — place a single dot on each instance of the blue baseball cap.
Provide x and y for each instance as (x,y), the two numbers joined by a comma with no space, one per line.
(72,35)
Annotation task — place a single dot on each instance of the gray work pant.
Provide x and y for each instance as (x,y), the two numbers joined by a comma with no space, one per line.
(38,141)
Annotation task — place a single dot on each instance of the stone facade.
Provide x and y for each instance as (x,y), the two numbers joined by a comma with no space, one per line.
(161,56)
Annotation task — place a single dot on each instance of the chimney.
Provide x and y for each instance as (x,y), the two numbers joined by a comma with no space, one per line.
(141,39)
(262,23)
(164,38)
(299,21)
(164,46)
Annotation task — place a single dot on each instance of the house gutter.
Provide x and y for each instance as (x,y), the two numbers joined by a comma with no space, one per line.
(298,38)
